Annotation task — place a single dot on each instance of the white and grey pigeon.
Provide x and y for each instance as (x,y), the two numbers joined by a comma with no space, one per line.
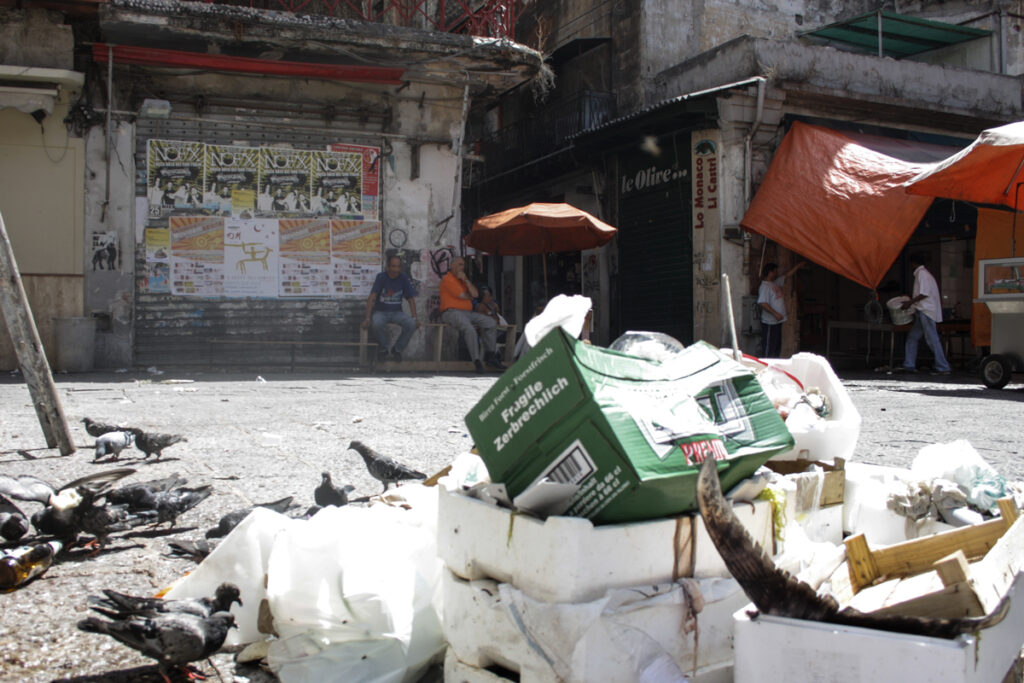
(383,468)
(173,639)
(112,443)
(121,605)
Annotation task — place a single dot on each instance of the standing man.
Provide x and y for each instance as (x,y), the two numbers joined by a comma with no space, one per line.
(927,305)
(773,308)
(457,294)
(384,306)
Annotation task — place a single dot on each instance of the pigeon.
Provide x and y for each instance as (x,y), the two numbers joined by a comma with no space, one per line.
(170,504)
(150,443)
(328,494)
(232,519)
(72,508)
(173,639)
(13,522)
(383,468)
(141,495)
(197,551)
(121,606)
(97,429)
(112,443)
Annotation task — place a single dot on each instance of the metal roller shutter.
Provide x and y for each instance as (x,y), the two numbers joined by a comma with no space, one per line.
(656,253)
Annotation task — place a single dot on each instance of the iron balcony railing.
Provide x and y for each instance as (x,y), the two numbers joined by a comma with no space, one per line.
(545,132)
(486,18)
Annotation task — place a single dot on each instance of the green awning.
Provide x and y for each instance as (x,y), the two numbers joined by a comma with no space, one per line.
(902,36)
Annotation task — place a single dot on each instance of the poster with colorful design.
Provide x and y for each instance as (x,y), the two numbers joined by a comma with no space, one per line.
(284,183)
(355,257)
(251,257)
(305,260)
(197,255)
(174,176)
(370,180)
(231,179)
(337,184)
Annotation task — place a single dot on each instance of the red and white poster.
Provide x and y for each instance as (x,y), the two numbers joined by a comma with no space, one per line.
(370,177)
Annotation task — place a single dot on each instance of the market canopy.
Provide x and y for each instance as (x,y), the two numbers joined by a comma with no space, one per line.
(889,34)
(839,202)
(989,171)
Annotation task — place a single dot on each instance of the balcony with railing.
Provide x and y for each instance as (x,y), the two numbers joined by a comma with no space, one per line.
(545,132)
(485,18)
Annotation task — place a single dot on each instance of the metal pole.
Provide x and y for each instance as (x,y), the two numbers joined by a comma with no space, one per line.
(736,354)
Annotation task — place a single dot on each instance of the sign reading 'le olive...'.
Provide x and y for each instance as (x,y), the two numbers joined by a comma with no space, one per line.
(618,438)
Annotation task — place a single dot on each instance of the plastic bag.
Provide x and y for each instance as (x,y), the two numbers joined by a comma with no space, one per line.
(959,462)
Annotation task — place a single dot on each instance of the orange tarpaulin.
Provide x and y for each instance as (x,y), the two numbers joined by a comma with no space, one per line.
(837,203)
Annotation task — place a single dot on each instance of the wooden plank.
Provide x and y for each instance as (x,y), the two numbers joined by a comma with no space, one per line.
(952,602)
(22,329)
(995,573)
(953,569)
(863,570)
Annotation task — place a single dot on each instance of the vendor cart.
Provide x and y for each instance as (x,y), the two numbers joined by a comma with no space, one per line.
(1001,288)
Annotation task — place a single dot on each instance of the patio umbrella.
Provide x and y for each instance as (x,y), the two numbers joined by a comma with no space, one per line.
(539,228)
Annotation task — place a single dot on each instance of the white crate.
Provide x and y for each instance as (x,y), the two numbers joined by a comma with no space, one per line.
(835,437)
(773,649)
(460,672)
(568,559)
(487,623)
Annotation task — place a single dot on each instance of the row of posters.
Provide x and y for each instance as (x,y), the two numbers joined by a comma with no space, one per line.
(213,256)
(261,182)
(236,221)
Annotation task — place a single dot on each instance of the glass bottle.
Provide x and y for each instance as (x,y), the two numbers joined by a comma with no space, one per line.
(25,563)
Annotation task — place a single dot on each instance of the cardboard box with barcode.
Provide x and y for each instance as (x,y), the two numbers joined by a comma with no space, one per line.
(579,430)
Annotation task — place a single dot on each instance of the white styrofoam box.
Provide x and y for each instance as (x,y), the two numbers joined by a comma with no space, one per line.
(831,438)
(865,511)
(460,672)
(618,637)
(756,517)
(568,559)
(775,649)
(823,524)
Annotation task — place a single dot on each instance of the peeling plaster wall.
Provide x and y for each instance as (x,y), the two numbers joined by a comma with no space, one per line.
(35,38)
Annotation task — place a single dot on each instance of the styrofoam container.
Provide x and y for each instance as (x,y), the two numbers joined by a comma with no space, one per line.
(775,649)
(487,624)
(865,510)
(568,559)
(833,437)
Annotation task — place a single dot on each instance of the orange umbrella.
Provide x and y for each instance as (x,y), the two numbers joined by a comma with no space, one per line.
(539,228)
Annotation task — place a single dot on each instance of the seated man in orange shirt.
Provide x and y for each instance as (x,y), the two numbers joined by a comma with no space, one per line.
(457,294)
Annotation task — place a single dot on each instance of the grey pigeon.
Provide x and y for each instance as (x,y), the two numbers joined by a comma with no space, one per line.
(141,495)
(112,443)
(232,519)
(94,428)
(173,639)
(383,468)
(328,494)
(13,522)
(197,550)
(170,504)
(121,606)
(150,443)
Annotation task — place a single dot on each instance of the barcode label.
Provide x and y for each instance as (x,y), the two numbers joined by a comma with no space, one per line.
(572,466)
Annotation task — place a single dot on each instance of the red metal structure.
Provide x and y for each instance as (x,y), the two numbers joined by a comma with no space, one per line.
(486,18)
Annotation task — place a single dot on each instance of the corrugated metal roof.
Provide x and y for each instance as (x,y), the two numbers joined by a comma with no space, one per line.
(662,105)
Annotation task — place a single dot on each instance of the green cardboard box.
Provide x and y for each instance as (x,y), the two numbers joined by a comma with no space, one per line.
(621,437)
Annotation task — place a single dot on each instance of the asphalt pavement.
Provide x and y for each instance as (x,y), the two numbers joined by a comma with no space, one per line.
(257,438)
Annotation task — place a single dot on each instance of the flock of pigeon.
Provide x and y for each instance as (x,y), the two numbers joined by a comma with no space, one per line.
(172,632)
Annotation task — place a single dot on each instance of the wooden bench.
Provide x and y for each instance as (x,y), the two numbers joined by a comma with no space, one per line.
(437,330)
(363,344)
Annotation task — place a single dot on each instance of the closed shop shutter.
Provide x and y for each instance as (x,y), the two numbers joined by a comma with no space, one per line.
(174,330)
(655,274)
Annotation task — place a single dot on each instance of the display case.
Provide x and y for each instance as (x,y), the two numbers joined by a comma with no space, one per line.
(1001,279)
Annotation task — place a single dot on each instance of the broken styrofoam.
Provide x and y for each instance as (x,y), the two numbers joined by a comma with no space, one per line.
(770,649)
(815,438)
(865,508)
(958,461)
(654,632)
(568,559)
